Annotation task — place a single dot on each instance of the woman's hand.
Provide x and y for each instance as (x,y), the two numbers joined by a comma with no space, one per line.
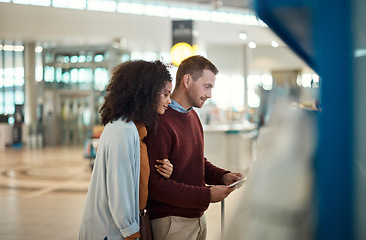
(164,167)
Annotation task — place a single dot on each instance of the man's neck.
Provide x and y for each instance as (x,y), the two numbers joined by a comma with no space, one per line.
(181,99)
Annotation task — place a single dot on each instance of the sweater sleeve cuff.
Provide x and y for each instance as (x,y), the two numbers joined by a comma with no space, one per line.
(205,197)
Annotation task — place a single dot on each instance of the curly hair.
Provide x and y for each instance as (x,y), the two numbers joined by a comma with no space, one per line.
(133,92)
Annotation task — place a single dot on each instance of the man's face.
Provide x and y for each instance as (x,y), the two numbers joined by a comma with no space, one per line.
(201,90)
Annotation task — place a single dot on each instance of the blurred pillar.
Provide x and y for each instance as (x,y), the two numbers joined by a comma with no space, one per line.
(247,59)
(30,83)
(30,103)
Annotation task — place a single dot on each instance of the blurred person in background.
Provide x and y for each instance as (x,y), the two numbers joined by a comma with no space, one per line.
(137,93)
(176,205)
(278,201)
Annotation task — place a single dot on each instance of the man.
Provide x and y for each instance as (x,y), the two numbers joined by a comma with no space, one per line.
(176,205)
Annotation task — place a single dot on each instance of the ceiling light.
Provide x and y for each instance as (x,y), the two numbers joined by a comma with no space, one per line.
(38,49)
(8,47)
(274,44)
(243,36)
(252,45)
(18,48)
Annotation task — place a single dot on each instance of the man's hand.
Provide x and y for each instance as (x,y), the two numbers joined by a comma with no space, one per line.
(229,178)
(218,193)
(165,168)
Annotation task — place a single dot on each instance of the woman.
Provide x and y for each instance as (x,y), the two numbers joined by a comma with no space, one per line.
(137,93)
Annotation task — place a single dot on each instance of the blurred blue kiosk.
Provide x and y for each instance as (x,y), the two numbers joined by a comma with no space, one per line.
(329,35)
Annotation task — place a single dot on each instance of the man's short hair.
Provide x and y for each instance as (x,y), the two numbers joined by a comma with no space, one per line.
(194,66)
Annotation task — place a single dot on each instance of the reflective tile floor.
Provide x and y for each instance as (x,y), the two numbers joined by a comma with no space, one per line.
(42,193)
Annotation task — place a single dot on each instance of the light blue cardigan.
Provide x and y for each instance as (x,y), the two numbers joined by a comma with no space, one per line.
(112,202)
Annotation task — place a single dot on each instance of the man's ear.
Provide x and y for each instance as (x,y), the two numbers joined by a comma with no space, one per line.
(187,80)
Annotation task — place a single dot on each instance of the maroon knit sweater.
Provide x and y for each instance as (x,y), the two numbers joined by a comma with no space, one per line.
(180,139)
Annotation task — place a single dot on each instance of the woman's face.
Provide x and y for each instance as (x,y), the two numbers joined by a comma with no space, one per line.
(164,98)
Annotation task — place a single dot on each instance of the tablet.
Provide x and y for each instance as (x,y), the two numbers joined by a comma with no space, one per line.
(240,182)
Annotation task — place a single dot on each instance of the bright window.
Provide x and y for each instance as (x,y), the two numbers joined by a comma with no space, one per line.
(76,4)
(49,74)
(9,107)
(19,97)
(101,78)
(106,5)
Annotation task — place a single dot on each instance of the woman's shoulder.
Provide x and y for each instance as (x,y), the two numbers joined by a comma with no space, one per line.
(120,128)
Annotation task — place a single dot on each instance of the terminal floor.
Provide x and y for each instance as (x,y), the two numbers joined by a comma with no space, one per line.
(42,193)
